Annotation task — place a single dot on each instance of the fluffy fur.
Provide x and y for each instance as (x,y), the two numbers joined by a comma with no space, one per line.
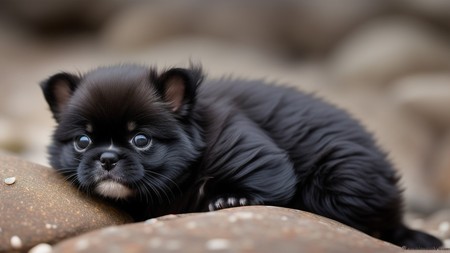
(162,143)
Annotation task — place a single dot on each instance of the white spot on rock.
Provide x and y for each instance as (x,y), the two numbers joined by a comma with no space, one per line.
(81,245)
(217,244)
(151,221)
(16,242)
(41,248)
(51,226)
(444,226)
(110,230)
(232,218)
(284,218)
(447,243)
(244,215)
(191,225)
(10,180)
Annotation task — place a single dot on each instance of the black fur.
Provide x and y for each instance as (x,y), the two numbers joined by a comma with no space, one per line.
(230,143)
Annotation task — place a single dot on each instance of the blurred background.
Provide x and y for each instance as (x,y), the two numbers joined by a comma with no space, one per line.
(385,61)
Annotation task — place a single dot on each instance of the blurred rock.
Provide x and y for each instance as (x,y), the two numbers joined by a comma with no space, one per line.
(291,27)
(42,207)
(9,141)
(427,95)
(314,27)
(245,229)
(147,23)
(437,11)
(388,48)
(60,16)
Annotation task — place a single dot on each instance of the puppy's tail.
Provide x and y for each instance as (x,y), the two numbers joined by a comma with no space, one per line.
(411,239)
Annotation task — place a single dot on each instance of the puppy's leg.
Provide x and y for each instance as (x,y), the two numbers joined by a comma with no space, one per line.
(358,187)
(257,176)
(246,167)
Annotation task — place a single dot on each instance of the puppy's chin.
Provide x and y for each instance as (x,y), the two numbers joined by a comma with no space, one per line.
(112,189)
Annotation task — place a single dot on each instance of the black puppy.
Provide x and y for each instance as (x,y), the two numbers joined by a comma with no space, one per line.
(160,143)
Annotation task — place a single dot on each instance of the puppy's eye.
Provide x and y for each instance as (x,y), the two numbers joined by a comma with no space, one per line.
(82,142)
(141,141)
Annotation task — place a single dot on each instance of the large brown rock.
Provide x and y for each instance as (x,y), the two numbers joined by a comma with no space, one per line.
(427,95)
(388,48)
(436,11)
(245,229)
(40,206)
(292,27)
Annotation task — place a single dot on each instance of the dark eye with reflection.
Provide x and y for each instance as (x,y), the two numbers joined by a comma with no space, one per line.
(141,141)
(82,142)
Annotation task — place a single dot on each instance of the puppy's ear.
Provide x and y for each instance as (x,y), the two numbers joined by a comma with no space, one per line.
(58,89)
(178,87)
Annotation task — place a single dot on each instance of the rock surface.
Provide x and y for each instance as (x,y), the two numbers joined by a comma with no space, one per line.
(427,95)
(244,229)
(383,50)
(40,206)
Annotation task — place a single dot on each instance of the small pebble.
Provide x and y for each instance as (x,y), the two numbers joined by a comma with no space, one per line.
(217,244)
(41,248)
(10,180)
(81,245)
(51,226)
(151,221)
(447,243)
(232,219)
(444,226)
(16,242)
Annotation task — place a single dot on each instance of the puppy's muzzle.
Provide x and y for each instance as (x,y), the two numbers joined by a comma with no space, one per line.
(109,160)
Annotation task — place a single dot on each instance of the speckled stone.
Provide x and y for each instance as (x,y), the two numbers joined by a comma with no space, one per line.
(244,229)
(41,207)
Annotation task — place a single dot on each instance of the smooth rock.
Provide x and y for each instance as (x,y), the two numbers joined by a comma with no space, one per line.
(388,48)
(9,140)
(437,11)
(146,23)
(244,229)
(55,16)
(42,207)
(295,28)
(428,95)
(315,27)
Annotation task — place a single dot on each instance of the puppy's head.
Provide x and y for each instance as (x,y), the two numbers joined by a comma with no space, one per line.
(124,131)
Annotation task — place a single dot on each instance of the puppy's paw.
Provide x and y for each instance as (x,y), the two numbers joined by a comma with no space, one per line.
(229,201)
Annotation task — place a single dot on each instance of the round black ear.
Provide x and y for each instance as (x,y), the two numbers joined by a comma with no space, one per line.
(178,87)
(58,89)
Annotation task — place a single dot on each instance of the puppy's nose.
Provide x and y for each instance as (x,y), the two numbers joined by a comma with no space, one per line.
(109,160)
